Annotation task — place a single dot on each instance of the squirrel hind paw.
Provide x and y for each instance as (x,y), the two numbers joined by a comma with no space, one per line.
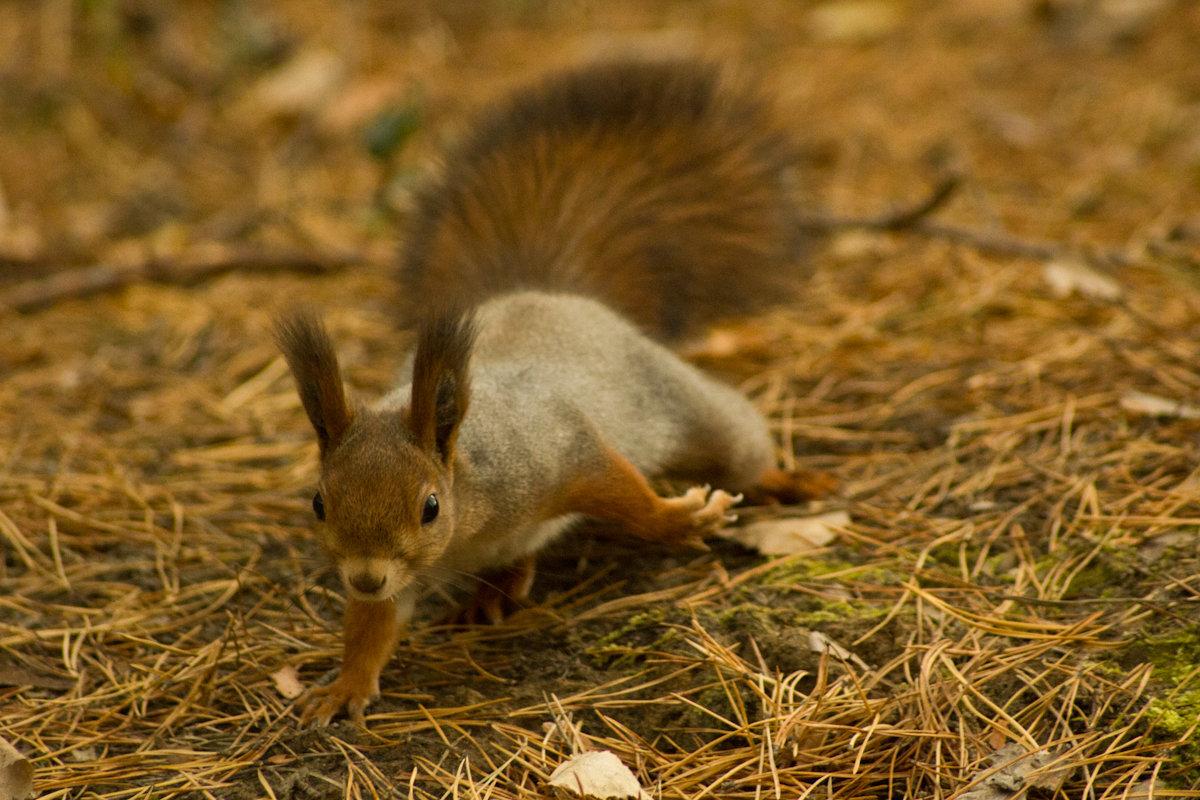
(706,510)
(500,593)
(719,503)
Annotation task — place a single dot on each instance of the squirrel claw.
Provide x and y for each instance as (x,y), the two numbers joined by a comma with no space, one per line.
(703,511)
(713,507)
(318,707)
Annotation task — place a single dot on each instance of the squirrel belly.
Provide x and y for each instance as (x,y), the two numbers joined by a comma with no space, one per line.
(557,382)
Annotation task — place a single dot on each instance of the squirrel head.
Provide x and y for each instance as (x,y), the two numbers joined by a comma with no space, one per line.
(384,494)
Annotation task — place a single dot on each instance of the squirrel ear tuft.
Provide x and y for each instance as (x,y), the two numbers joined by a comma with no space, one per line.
(309,353)
(441,382)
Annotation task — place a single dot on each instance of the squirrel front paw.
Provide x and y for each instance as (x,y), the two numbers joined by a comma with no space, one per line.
(321,703)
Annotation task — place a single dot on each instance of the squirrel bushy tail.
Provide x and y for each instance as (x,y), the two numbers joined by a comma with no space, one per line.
(659,188)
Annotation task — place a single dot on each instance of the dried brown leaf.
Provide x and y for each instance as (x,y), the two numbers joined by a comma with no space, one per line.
(595,775)
(820,643)
(1015,771)
(299,86)
(1070,276)
(789,535)
(287,682)
(16,773)
(1154,406)
(855,20)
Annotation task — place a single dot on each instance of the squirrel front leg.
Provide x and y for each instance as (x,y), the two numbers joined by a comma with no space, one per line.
(615,490)
(370,635)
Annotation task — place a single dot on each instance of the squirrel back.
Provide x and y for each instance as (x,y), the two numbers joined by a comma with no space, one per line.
(657,187)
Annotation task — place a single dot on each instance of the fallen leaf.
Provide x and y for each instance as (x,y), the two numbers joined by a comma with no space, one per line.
(1154,548)
(595,775)
(16,773)
(1014,771)
(1067,276)
(12,675)
(1119,20)
(1154,406)
(789,535)
(350,110)
(1018,130)
(1143,790)
(82,754)
(287,682)
(855,20)
(1133,12)
(820,643)
(728,341)
(851,246)
(298,86)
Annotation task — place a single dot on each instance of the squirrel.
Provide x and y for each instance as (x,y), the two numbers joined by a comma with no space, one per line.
(584,221)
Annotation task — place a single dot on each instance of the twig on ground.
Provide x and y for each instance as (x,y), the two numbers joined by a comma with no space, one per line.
(900,219)
(916,219)
(38,293)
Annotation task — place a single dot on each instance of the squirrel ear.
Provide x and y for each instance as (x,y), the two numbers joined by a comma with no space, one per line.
(309,352)
(441,383)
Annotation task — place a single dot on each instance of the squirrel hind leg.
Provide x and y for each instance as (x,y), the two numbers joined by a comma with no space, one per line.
(500,593)
(615,491)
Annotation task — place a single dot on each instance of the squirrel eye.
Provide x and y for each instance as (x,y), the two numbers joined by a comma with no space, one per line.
(430,512)
(319,506)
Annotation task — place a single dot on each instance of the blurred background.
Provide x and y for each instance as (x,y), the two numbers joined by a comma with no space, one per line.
(132,129)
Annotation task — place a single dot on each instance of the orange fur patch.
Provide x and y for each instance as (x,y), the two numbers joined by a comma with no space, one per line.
(618,492)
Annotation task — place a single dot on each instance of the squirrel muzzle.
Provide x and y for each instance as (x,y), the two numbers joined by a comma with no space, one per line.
(374,579)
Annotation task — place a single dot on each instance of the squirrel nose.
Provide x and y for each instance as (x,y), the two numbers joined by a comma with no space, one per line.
(367,583)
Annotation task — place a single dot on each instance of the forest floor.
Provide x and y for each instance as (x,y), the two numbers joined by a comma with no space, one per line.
(1008,391)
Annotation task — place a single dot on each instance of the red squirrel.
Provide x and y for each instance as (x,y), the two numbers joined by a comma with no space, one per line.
(581,219)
